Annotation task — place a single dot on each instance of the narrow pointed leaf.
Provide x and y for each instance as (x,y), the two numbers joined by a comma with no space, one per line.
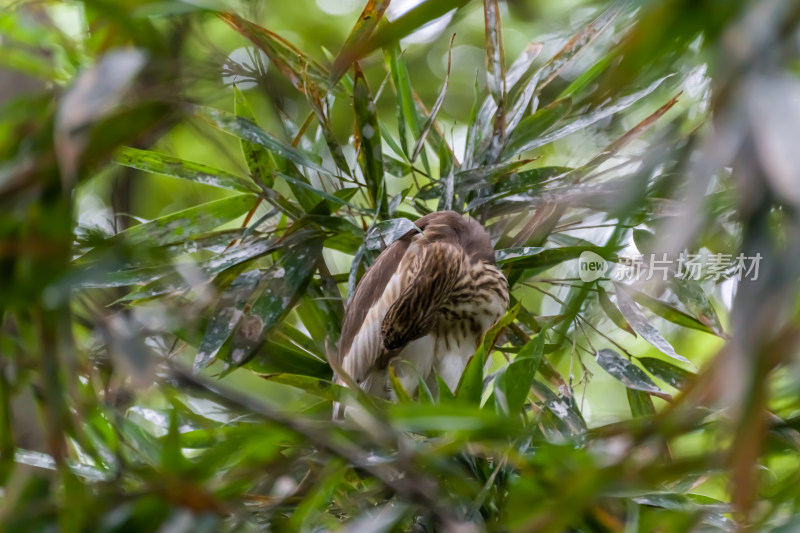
(641,403)
(370,152)
(178,226)
(281,289)
(226,317)
(691,294)
(666,371)
(362,30)
(244,129)
(397,386)
(470,387)
(321,388)
(669,312)
(613,312)
(436,106)
(626,372)
(288,59)
(639,322)
(258,159)
(178,168)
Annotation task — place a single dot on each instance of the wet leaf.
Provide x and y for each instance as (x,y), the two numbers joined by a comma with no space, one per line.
(258,159)
(228,313)
(642,325)
(385,233)
(626,372)
(666,371)
(179,226)
(248,131)
(178,168)
(281,288)
(669,312)
(691,294)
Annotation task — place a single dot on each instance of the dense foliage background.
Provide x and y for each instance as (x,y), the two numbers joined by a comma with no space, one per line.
(189,190)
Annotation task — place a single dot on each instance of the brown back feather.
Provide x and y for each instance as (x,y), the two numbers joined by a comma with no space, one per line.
(442,226)
(369,290)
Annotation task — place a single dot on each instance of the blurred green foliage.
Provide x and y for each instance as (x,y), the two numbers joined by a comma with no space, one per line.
(190,190)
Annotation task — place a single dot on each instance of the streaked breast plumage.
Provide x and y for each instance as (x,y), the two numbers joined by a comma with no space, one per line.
(423,306)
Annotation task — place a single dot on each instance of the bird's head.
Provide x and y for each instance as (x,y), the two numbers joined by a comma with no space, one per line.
(468,233)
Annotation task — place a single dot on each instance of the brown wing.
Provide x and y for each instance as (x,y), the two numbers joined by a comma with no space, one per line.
(369,291)
(414,313)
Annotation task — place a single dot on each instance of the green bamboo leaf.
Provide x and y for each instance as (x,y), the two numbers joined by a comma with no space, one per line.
(481,116)
(258,159)
(532,128)
(669,312)
(522,186)
(472,179)
(644,240)
(229,311)
(642,325)
(416,17)
(321,106)
(282,287)
(370,153)
(426,128)
(561,412)
(316,501)
(386,232)
(641,403)
(536,257)
(470,386)
(612,311)
(362,30)
(407,118)
(157,163)
(334,199)
(397,386)
(667,372)
(589,75)
(532,132)
(279,356)
(515,381)
(496,76)
(179,226)
(587,35)
(492,337)
(454,417)
(244,129)
(327,390)
(692,295)
(289,60)
(626,372)
(175,282)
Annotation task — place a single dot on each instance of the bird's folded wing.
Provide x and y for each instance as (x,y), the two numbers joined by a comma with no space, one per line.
(360,343)
(414,313)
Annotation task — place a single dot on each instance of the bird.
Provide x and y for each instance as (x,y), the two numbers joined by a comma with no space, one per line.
(423,307)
